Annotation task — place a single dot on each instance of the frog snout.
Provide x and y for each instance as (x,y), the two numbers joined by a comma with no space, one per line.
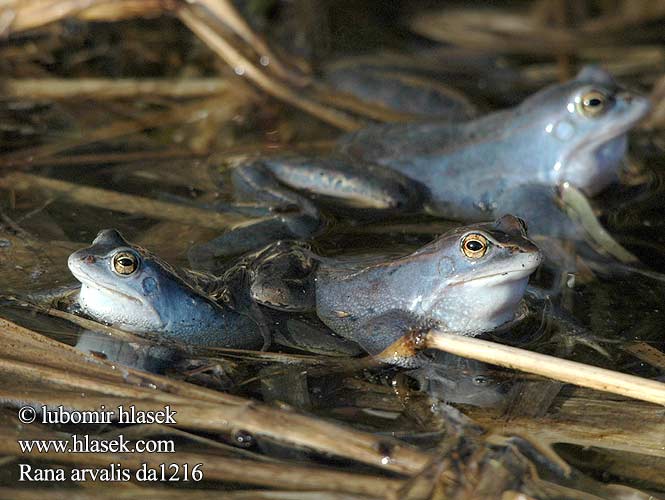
(84,259)
(76,259)
(533,258)
(526,247)
(528,254)
(640,103)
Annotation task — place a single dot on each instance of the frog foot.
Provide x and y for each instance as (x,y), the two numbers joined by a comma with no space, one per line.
(577,207)
(571,340)
(406,350)
(568,331)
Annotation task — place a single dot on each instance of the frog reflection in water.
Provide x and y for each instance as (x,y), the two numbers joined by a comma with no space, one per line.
(468,281)
(510,161)
(461,380)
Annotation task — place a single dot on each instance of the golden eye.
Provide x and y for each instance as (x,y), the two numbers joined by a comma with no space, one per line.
(592,104)
(474,245)
(125,263)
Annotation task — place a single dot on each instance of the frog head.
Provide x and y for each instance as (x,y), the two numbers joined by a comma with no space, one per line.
(125,285)
(485,270)
(581,128)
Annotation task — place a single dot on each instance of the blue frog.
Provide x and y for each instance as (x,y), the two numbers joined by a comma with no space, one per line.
(510,161)
(468,281)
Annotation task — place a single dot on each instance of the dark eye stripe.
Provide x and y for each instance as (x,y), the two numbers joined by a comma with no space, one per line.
(523,225)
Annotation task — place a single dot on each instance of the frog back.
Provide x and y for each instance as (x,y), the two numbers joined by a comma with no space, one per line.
(349,295)
(462,167)
(392,142)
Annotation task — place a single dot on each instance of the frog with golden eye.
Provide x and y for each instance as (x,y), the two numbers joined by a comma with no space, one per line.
(130,288)
(468,281)
(510,161)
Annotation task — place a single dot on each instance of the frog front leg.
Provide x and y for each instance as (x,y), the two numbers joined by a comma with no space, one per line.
(549,223)
(376,335)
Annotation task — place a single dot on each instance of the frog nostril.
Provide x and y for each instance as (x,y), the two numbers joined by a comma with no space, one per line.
(626,97)
(516,249)
(88,259)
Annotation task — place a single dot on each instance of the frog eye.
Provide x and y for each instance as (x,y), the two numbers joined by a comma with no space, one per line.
(125,263)
(592,103)
(474,245)
(480,380)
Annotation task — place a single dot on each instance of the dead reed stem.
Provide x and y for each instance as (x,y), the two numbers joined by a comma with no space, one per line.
(234,57)
(40,361)
(21,15)
(181,114)
(216,468)
(548,366)
(131,493)
(104,88)
(121,202)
